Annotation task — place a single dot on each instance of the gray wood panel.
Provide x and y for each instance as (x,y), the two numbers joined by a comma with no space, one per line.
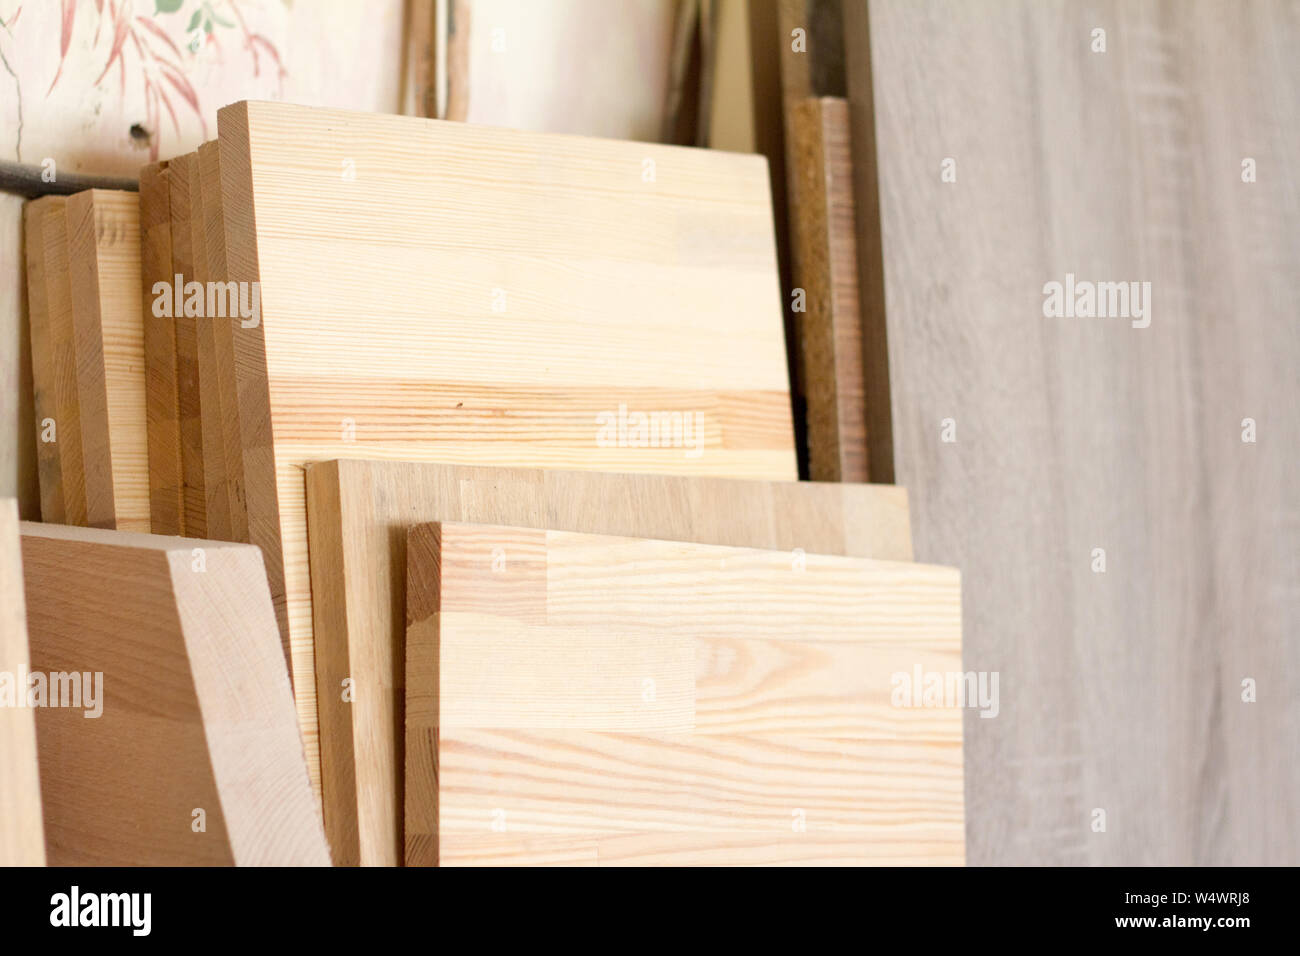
(1119,690)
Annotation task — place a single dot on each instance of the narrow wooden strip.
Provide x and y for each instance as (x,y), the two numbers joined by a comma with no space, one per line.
(44,380)
(58,291)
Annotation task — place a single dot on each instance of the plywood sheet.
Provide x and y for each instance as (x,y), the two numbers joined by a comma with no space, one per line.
(108,323)
(179,744)
(1163,691)
(361,511)
(826,268)
(583,686)
(22,836)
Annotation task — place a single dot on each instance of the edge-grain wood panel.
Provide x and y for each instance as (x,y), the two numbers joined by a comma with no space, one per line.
(196,707)
(22,835)
(826,268)
(360,512)
(180,173)
(162,396)
(589,685)
(108,320)
(44,381)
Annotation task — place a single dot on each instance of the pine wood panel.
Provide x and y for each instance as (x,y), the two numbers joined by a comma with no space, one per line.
(826,268)
(22,835)
(162,389)
(181,172)
(588,685)
(58,301)
(197,711)
(108,321)
(44,380)
(1123,690)
(360,513)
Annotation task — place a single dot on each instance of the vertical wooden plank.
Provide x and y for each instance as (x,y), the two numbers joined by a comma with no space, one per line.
(44,387)
(180,173)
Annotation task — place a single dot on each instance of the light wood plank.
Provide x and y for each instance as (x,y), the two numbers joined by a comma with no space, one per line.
(578,709)
(44,380)
(162,395)
(361,512)
(194,706)
(104,270)
(22,834)
(1074,434)
(181,172)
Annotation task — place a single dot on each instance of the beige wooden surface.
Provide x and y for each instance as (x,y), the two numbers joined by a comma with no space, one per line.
(22,835)
(162,396)
(583,686)
(197,712)
(104,271)
(1123,690)
(181,173)
(360,512)
(825,266)
(530,286)
(45,405)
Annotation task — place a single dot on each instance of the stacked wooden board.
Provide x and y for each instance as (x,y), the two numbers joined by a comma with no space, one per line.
(587,699)
(576,341)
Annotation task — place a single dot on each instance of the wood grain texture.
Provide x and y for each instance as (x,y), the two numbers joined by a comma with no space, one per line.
(44,381)
(577,685)
(826,267)
(491,308)
(22,834)
(1123,690)
(196,713)
(181,172)
(108,322)
(19,469)
(361,510)
(67,400)
(219,337)
(162,394)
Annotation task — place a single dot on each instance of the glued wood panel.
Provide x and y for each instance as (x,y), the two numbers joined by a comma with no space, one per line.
(1164,690)
(162,396)
(360,513)
(194,706)
(108,322)
(826,268)
(180,173)
(527,299)
(22,835)
(577,685)
(44,381)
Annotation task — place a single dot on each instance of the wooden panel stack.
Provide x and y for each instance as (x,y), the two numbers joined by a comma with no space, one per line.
(575,698)
(361,512)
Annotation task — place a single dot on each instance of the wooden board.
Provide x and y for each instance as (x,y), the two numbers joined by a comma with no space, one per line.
(22,835)
(162,395)
(360,512)
(504,305)
(577,686)
(181,173)
(195,710)
(826,268)
(58,302)
(44,381)
(108,322)
(1124,689)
